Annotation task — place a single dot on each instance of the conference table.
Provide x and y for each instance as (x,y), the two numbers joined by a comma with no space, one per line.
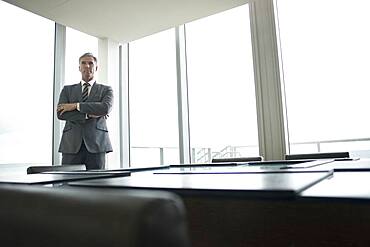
(269,203)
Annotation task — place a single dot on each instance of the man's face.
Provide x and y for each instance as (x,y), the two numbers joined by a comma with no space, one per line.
(87,68)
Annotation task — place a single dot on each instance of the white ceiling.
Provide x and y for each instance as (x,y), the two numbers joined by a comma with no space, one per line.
(124,20)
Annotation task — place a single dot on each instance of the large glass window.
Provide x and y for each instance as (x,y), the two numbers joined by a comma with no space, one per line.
(153,103)
(26,64)
(77,43)
(223,119)
(325,50)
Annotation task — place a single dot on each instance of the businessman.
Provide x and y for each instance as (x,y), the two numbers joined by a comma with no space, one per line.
(85,107)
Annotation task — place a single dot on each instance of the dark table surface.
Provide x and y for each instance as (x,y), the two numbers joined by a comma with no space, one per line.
(308,179)
(320,178)
(56,177)
(268,184)
(349,185)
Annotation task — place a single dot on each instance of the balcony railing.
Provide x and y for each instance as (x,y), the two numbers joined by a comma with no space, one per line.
(359,147)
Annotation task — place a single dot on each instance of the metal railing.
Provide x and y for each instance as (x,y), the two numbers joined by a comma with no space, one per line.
(319,144)
(206,154)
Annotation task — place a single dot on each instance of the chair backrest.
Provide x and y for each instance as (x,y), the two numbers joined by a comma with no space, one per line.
(76,216)
(238,159)
(39,169)
(334,155)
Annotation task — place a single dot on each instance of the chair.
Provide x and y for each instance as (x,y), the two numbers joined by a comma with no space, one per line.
(334,155)
(39,169)
(238,159)
(75,216)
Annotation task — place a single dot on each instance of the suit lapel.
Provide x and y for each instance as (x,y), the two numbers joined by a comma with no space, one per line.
(77,92)
(94,90)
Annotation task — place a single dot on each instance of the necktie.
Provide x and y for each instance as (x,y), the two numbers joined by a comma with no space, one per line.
(85,92)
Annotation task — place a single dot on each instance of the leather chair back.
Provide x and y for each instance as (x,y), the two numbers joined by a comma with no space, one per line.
(73,216)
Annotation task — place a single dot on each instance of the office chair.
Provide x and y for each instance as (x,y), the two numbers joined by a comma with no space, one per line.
(75,216)
(333,155)
(39,169)
(238,159)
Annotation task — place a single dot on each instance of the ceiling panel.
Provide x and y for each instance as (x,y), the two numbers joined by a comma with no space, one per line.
(124,20)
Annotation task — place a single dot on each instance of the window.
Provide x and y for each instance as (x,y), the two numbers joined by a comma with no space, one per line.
(325,53)
(222,108)
(27,56)
(77,43)
(152,99)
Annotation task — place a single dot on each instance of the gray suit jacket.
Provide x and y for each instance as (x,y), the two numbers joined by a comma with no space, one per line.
(92,131)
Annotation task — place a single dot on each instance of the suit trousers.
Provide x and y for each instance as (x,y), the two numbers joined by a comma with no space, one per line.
(91,160)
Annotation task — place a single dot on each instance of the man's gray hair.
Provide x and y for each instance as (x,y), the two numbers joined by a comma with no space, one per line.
(88,54)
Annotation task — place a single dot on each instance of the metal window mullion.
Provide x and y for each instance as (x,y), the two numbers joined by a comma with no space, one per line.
(269,91)
(182,96)
(58,81)
(124,116)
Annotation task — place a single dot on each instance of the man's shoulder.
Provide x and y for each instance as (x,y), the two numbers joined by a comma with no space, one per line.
(72,85)
(102,85)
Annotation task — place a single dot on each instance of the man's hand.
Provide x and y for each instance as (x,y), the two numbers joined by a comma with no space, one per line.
(62,108)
